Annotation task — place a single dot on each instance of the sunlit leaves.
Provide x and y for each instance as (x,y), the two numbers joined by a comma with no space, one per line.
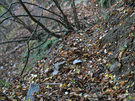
(33,1)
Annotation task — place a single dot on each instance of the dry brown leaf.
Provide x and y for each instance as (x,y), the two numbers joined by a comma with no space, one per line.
(132,63)
(120,55)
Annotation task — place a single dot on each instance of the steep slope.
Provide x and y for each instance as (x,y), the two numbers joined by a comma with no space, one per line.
(95,63)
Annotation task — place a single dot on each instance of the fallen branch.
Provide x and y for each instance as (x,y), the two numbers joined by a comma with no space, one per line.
(57,84)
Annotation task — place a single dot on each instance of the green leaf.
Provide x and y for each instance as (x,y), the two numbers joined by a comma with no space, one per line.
(48,86)
(73,82)
(131,35)
(130,98)
(128,86)
(125,46)
(78,71)
(61,47)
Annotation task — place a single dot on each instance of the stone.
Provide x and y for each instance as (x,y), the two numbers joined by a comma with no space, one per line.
(77,62)
(59,65)
(115,66)
(33,88)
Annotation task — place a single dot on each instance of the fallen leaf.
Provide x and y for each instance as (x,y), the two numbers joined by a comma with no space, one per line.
(110,53)
(120,55)
(132,63)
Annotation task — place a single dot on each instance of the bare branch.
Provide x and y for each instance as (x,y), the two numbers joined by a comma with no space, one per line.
(42,17)
(29,53)
(12,41)
(36,21)
(41,43)
(30,4)
(75,15)
(64,16)
(18,19)
(4,35)
(15,16)
(25,38)
(29,49)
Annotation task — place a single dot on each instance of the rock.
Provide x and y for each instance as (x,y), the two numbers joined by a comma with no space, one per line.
(33,88)
(77,62)
(59,65)
(55,72)
(115,66)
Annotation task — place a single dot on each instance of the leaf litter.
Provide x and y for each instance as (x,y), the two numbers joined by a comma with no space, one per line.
(90,79)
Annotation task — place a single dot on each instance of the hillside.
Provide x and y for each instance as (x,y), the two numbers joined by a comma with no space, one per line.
(95,63)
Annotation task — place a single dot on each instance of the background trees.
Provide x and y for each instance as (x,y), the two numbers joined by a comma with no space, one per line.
(32,27)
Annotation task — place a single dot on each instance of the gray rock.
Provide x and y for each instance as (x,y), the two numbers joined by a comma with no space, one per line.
(55,72)
(114,67)
(33,88)
(59,65)
(77,62)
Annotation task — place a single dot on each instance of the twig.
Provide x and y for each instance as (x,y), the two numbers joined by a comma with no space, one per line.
(3,35)
(28,54)
(12,41)
(41,43)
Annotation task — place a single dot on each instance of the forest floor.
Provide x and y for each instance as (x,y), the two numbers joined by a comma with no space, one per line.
(95,63)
